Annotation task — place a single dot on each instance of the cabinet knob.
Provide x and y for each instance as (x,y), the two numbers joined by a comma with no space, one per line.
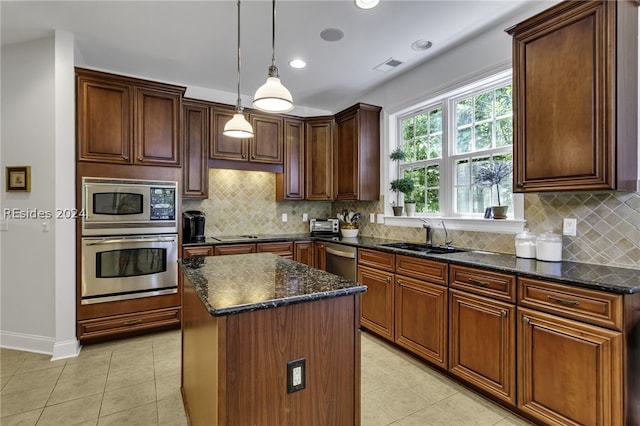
(126,157)
(526,320)
(389,280)
(503,313)
(520,185)
(140,158)
(253,157)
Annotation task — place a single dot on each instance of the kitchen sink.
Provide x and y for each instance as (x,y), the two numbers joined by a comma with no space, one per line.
(424,248)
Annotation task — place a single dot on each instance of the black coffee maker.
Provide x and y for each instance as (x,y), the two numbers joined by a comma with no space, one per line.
(193,226)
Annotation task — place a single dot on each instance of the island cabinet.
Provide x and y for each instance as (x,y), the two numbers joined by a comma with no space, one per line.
(124,120)
(265,147)
(290,184)
(406,302)
(482,330)
(575,74)
(195,140)
(319,159)
(572,368)
(356,169)
(238,353)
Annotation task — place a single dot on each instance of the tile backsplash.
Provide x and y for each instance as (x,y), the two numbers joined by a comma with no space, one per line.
(243,202)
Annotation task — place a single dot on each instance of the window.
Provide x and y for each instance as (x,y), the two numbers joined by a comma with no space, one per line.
(448,141)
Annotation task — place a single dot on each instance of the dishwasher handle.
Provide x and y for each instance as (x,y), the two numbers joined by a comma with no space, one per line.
(340,253)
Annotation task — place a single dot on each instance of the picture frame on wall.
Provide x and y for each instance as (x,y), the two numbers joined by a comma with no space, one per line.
(18,179)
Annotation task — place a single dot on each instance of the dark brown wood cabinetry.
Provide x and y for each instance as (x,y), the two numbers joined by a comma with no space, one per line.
(281,248)
(188,252)
(122,120)
(319,255)
(356,169)
(575,97)
(377,304)
(319,158)
(303,252)
(195,129)
(265,147)
(290,184)
(234,249)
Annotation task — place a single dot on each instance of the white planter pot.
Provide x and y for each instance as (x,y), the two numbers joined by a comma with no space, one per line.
(410,209)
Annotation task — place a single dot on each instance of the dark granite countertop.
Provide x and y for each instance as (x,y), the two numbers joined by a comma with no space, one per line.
(246,282)
(253,238)
(598,277)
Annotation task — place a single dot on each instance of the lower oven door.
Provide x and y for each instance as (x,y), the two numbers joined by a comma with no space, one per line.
(118,268)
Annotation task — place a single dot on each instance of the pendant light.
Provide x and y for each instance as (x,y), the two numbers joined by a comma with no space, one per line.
(273,96)
(238,127)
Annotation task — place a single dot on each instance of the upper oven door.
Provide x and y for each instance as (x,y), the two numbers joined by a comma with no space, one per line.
(118,207)
(115,268)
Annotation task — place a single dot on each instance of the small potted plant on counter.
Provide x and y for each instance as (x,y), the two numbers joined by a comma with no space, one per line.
(490,174)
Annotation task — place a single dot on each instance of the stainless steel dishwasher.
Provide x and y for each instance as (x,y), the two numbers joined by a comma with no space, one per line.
(342,260)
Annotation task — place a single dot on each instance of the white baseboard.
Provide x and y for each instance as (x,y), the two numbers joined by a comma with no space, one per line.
(39,344)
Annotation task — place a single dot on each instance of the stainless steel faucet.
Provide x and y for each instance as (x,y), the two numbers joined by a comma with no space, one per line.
(447,241)
(426,225)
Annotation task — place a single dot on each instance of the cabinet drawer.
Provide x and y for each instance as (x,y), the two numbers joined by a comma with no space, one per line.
(284,249)
(590,306)
(120,324)
(234,249)
(432,271)
(188,252)
(478,281)
(376,259)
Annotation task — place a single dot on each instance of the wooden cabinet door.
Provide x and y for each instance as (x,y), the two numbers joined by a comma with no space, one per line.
(267,144)
(188,252)
(345,170)
(290,183)
(320,255)
(569,65)
(377,303)
(222,147)
(303,252)
(482,343)
(319,159)
(104,115)
(421,319)
(281,248)
(569,373)
(157,127)
(234,249)
(195,143)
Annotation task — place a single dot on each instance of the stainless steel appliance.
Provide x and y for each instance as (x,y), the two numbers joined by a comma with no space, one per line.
(342,260)
(129,243)
(193,226)
(324,227)
(127,267)
(128,206)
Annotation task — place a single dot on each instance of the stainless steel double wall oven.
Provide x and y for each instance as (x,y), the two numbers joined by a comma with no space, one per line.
(129,239)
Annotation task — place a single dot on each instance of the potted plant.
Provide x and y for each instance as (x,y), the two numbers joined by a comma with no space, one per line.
(404,185)
(490,174)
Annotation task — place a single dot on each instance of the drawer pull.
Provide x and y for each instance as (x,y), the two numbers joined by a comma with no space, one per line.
(526,320)
(133,322)
(564,301)
(479,283)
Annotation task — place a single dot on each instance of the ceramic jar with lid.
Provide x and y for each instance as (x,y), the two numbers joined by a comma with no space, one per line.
(526,244)
(549,247)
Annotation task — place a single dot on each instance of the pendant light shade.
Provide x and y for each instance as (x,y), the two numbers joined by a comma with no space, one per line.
(273,96)
(238,127)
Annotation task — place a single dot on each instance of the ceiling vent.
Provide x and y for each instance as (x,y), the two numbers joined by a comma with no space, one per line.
(388,65)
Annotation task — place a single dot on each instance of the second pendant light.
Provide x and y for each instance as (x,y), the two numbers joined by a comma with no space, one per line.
(273,96)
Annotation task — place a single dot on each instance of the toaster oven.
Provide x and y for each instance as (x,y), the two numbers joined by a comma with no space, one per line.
(329,227)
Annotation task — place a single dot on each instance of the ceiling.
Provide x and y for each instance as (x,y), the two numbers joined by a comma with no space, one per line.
(193,43)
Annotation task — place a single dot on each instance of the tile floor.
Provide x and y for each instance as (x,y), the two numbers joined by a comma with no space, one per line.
(137,382)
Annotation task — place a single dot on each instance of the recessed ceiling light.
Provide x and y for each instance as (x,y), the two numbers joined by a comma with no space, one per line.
(297,63)
(367,4)
(331,34)
(421,45)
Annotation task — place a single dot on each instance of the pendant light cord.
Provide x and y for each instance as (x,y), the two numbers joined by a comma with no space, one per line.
(238,103)
(273,69)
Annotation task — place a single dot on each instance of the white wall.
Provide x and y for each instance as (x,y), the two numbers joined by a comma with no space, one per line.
(37,267)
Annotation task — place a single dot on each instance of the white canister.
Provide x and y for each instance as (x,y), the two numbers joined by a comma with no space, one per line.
(526,244)
(549,247)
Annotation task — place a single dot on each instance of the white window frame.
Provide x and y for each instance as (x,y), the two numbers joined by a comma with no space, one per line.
(474,222)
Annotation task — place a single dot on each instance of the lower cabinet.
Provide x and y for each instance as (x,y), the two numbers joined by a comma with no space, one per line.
(303,252)
(194,251)
(377,303)
(234,249)
(319,254)
(115,325)
(281,248)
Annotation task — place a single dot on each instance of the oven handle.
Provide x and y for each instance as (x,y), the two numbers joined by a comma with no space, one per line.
(133,240)
(340,253)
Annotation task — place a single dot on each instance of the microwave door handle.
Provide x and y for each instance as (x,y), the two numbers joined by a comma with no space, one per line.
(133,240)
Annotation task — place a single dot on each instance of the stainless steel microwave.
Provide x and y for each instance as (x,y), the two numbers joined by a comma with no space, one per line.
(128,206)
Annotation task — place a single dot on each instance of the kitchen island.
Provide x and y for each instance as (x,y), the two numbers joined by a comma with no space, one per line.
(269,341)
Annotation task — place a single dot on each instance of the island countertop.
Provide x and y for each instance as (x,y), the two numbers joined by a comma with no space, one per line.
(247,282)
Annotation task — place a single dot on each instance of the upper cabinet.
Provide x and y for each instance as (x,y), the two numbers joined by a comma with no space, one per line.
(123,120)
(575,73)
(265,147)
(290,183)
(195,128)
(356,159)
(319,162)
